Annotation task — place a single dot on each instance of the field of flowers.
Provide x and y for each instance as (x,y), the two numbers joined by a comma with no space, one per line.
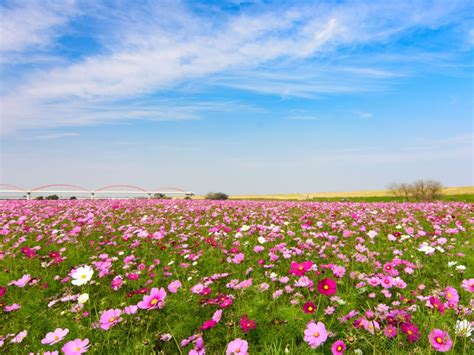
(235,277)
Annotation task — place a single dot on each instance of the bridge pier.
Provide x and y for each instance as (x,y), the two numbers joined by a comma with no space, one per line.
(92,195)
(28,195)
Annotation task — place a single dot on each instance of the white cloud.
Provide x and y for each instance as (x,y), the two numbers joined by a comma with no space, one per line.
(32,23)
(156,48)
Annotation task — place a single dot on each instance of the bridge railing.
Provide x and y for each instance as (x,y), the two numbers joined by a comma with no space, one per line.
(104,192)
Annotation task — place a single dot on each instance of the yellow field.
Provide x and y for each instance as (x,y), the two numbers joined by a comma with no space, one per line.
(367,193)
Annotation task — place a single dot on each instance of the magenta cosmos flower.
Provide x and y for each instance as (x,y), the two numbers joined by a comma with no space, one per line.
(440,340)
(55,337)
(110,318)
(76,347)
(156,299)
(338,347)
(299,269)
(237,347)
(247,324)
(309,307)
(315,334)
(327,287)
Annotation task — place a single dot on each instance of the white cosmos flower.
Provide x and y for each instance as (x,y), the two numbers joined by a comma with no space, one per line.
(463,328)
(82,275)
(261,240)
(83,298)
(244,228)
(452,263)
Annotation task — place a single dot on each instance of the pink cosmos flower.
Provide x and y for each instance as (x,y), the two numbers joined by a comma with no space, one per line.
(76,347)
(468,285)
(110,318)
(12,307)
(174,286)
(390,331)
(156,299)
(338,347)
(315,334)
(246,324)
(130,309)
(22,281)
(387,282)
(452,296)
(237,347)
(440,340)
(216,317)
(299,269)
(238,258)
(208,324)
(55,337)
(411,331)
(116,283)
(19,337)
(327,287)
(437,304)
(309,307)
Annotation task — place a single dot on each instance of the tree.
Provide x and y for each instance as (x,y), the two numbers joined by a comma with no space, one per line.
(52,197)
(420,190)
(216,196)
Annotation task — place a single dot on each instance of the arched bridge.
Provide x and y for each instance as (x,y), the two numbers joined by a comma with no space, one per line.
(102,192)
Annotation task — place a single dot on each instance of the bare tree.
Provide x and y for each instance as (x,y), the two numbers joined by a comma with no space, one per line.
(402,190)
(433,189)
(420,190)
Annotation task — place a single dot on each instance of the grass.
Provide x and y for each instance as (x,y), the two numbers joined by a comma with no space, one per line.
(462,194)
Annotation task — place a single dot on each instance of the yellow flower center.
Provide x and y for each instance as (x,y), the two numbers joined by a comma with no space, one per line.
(237,350)
(300,268)
(449,295)
(56,337)
(112,319)
(77,349)
(326,287)
(316,334)
(310,308)
(83,276)
(154,301)
(439,340)
(339,348)
(409,332)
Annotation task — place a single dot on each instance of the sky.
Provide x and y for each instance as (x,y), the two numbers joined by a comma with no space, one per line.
(243,97)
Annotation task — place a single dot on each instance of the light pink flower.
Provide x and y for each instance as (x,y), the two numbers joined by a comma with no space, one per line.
(156,299)
(315,334)
(55,337)
(22,281)
(19,337)
(76,347)
(110,318)
(237,347)
(174,286)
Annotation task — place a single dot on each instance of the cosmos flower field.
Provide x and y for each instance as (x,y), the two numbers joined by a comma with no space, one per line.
(235,277)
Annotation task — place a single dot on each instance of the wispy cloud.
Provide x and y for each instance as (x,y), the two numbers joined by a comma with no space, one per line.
(28,24)
(363,114)
(158,46)
(56,135)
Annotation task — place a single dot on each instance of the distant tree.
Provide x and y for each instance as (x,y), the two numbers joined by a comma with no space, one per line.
(52,197)
(426,190)
(73,198)
(420,190)
(160,196)
(401,190)
(39,198)
(216,196)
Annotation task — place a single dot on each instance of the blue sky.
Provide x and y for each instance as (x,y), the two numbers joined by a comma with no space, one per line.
(236,96)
